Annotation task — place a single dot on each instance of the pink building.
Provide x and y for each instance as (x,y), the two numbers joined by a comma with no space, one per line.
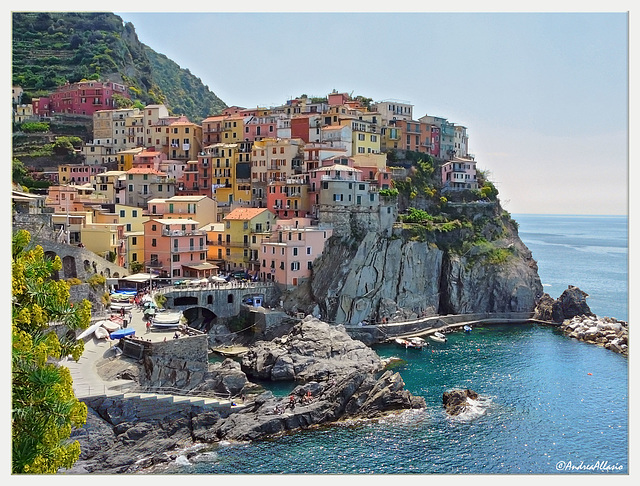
(289,197)
(149,159)
(86,97)
(176,248)
(287,255)
(459,174)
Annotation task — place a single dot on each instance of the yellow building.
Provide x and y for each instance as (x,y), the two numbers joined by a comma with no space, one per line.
(185,140)
(230,174)
(243,230)
(106,240)
(125,158)
(365,136)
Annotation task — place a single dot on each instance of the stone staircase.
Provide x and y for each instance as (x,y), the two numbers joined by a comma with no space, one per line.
(154,406)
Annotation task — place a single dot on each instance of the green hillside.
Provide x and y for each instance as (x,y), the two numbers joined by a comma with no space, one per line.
(52,48)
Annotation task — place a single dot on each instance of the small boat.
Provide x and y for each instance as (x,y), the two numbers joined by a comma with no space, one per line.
(101,333)
(167,320)
(120,333)
(89,330)
(111,325)
(417,342)
(414,343)
(467,328)
(438,336)
(121,305)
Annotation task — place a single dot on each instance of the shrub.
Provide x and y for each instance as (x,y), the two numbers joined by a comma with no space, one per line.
(96,281)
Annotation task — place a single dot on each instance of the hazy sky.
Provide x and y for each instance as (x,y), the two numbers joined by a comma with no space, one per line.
(544,95)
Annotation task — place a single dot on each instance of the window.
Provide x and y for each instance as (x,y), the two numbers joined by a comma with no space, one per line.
(134,257)
(295,266)
(295,251)
(308,250)
(122,212)
(176,258)
(153,242)
(153,227)
(128,227)
(134,240)
(309,265)
(134,213)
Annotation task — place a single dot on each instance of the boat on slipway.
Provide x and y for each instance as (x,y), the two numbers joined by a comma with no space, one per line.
(167,320)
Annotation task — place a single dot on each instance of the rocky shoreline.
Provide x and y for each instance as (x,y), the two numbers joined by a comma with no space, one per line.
(338,379)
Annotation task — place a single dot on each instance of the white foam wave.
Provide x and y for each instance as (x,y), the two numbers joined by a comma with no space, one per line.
(475,408)
(182,461)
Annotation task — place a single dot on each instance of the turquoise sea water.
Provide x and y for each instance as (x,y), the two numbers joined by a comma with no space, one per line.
(549,404)
(590,252)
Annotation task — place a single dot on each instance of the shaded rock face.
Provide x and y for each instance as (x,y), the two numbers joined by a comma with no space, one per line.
(455,402)
(572,302)
(400,278)
(313,350)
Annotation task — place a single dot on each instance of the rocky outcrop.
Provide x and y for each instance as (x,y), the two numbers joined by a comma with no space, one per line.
(456,402)
(313,350)
(607,332)
(341,379)
(572,302)
(354,395)
(404,276)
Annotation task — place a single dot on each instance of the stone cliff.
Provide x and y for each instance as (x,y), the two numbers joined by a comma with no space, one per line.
(475,263)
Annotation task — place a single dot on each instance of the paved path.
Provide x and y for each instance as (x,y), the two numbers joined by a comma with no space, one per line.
(86,379)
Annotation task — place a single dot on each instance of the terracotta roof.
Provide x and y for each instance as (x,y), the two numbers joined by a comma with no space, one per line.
(245,213)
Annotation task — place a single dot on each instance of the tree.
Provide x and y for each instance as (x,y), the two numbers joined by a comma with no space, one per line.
(44,407)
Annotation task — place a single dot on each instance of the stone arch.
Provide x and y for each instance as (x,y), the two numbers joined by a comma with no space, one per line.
(116,274)
(51,255)
(107,271)
(200,318)
(69,267)
(87,265)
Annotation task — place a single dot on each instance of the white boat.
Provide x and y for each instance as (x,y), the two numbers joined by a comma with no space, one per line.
(101,333)
(89,330)
(439,337)
(167,320)
(467,328)
(121,305)
(415,343)
(110,325)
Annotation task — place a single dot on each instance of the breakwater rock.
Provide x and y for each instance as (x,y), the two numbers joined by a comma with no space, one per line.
(606,331)
(456,402)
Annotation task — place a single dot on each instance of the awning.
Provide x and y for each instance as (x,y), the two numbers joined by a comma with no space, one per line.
(201,266)
(139,277)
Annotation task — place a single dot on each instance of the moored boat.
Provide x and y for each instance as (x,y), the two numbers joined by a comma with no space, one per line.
(467,328)
(438,336)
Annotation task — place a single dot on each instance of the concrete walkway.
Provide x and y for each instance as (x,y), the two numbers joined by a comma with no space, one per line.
(86,379)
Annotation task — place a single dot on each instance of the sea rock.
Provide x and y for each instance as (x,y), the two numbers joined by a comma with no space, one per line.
(571,303)
(313,350)
(455,402)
